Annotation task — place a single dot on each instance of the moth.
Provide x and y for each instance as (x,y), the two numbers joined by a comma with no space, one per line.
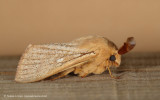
(83,56)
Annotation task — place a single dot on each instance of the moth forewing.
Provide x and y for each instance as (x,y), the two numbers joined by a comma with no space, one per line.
(41,61)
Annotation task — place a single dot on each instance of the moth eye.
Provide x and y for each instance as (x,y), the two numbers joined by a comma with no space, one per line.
(112,58)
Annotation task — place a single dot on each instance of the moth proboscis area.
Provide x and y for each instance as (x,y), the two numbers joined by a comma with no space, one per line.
(83,56)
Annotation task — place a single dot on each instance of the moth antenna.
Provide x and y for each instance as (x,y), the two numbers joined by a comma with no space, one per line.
(110,73)
(128,46)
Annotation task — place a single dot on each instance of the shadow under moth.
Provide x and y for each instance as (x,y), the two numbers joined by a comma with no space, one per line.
(83,56)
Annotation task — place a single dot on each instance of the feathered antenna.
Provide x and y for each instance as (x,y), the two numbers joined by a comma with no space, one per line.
(128,46)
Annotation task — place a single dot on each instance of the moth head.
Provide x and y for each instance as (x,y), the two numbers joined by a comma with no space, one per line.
(115,53)
(114,59)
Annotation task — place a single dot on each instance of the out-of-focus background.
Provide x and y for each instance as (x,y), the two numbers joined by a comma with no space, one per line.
(48,21)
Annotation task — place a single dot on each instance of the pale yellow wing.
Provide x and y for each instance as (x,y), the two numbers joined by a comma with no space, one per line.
(41,61)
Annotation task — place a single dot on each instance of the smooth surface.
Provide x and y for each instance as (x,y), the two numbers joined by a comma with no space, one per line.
(48,21)
(140,80)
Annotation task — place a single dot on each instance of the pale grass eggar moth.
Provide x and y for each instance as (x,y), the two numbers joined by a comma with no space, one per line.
(83,56)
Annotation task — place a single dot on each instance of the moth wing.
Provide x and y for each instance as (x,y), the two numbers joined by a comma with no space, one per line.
(41,61)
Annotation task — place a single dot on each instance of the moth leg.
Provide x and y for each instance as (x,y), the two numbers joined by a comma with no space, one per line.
(62,74)
(83,76)
(110,73)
